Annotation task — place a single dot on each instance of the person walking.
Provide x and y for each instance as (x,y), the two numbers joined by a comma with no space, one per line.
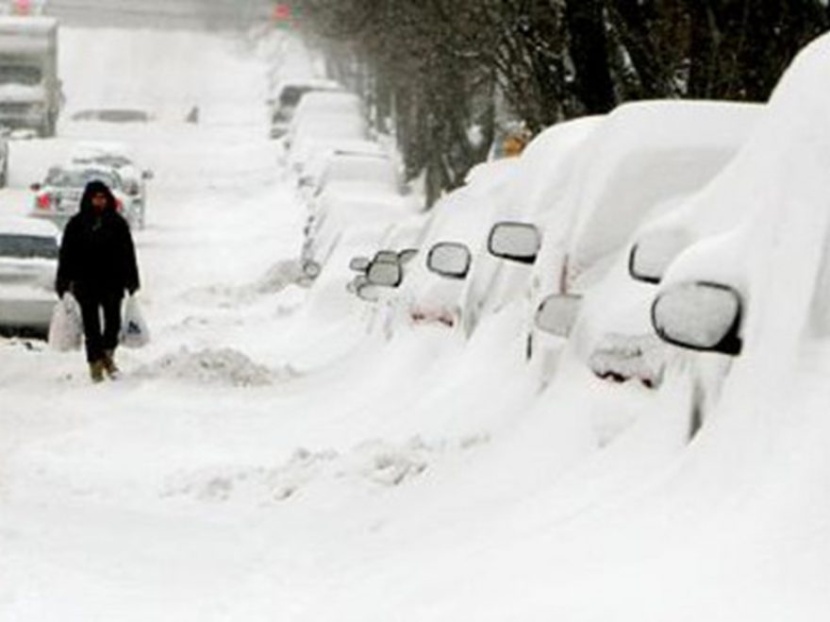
(97,264)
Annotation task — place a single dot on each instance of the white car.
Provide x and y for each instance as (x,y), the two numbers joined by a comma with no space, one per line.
(58,198)
(321,133)
(637,166)
(119,157)
(311,181)
(28,266)
(340,209)
(432,291)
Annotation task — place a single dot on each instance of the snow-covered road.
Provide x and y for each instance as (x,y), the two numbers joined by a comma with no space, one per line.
(265,459)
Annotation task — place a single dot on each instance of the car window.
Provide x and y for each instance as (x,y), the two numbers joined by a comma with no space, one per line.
(80,178)
(19,74)
(28,246)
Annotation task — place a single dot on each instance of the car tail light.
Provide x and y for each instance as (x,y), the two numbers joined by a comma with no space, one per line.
(119,205)
(44,201)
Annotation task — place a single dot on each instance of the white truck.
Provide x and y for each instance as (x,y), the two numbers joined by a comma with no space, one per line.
(30,92)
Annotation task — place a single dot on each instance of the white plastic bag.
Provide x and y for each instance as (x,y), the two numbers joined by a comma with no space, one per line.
(66,327)
(134,331)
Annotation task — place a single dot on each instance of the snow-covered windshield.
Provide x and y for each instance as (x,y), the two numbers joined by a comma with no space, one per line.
(28,246)
(371,170)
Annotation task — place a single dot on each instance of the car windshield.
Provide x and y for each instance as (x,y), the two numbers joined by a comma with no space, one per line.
(80,178)
(19,74)
(114,115)
(28,246)
(107,159)
(291,95)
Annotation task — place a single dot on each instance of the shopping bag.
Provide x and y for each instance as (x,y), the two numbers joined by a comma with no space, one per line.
(66,327)
(134,331)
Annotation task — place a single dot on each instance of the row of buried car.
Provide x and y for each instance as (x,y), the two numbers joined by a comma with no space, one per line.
(345,173)
(640,249)
(29,246)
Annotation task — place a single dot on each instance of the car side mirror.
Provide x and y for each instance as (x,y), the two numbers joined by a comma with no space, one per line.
(651,255)
(384,273)
(700,316)
(449,259)
(515,241)
(35,187)
(359,264)
(557,314)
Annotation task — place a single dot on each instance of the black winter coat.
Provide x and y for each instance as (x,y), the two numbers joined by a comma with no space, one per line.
(97,255)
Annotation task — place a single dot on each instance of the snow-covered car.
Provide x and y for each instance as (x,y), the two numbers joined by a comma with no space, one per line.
(58,197)
(432,291)
(750,305)
(320,134)
(120,157)
(311,181)
(541,174)
(643,160)
(287,96)
(28,265)
(339,208)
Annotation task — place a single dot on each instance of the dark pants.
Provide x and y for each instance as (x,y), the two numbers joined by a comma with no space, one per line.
(97,340)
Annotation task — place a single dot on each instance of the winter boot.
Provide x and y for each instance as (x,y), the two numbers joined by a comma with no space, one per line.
(109,364)
(96,371)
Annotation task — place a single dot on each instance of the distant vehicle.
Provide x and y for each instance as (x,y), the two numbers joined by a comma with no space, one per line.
(30,92)
(113,115)
(287,98)
(58,198)
(28,265)
(120,158)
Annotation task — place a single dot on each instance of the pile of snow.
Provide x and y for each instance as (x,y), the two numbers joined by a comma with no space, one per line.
(222,367)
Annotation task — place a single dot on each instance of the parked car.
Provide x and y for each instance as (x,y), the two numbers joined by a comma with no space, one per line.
(28,265)
(749,303)
(287,97)
(119,157)
(542,173)
(320,134)
(339,208)
(318,166)
(432,290)
(639,165)
(58,197)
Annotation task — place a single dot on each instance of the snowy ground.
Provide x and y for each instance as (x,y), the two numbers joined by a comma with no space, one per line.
(264,460)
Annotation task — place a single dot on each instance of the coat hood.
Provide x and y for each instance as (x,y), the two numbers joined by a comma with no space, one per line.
(93,188)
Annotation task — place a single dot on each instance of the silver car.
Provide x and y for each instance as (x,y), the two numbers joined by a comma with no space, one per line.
(28,266)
